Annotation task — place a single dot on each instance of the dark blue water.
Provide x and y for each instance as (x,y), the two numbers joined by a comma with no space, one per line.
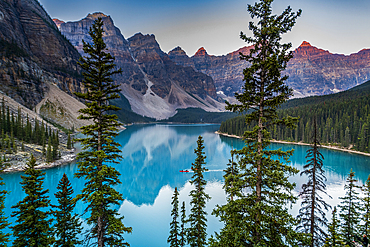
(154,155)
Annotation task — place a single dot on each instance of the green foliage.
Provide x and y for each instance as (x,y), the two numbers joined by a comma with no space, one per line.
(366,202)
(15,131)
(33,225)
(334,239)
(342,119)
(68,226)
(230,213)
(197,231)
(197,115)
(350,209)
(174,238)
(4,237)
(182,237)
(311,215)
(99,148)
(49,156)
(264,185)
(69,142)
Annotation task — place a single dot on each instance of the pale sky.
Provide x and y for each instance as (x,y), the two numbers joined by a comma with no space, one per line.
(340,26)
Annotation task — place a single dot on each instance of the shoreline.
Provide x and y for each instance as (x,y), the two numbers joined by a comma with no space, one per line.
(22,166)
(303,144)
(67,158)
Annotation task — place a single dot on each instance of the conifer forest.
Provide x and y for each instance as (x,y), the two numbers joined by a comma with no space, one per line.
(256,181)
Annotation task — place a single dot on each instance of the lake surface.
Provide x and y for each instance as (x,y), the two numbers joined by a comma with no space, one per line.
(154,155)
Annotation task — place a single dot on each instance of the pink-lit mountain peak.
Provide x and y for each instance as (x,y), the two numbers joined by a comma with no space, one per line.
(201,52)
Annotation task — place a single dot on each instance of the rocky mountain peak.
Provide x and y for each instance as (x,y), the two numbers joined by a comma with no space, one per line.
(201,52)
(144,42)
(96,15)
(178,51)
(305,43)
(306,49)
(58,22)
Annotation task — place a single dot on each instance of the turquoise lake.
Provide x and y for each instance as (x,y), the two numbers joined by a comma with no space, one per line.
(154,155)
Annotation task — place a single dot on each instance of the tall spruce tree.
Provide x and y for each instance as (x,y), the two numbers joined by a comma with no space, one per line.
(99,148)
(265,178)
(33,224)
(230,213)
(68,226)
(182,240)
(49,155)
(350,209)
(4,237)
(366,202)
(311,215)
(69,143)
(333,239)
(174,238)
(197,231)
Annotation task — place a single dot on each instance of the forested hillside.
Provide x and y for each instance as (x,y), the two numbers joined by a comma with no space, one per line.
(343,119)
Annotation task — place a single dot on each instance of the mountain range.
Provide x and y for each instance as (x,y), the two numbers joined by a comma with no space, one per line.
(38,68)
(38,65)
(312,71)
(154,85)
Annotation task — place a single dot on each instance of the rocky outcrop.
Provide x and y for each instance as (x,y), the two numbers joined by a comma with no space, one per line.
(154,85)
(76,31)
(58,22)
(59,107)
(33,53)
(226,71)
(162,71)
(312,71)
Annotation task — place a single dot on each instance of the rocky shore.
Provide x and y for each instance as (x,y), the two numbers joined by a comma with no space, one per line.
(18,162)
(21,165)
(349,150)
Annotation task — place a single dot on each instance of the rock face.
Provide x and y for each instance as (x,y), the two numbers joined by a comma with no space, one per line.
(154,85)
(226,71)
(33,53)
(312,71)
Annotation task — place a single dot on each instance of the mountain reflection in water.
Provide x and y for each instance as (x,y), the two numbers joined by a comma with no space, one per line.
(153,156)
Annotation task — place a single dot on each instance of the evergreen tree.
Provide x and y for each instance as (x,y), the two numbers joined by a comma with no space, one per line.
(55,143)
(68,226)
(174,239)
(33,226)
(182,226)
(347,137)
(8,123)
(4,237)
(197,231)
(366,202)
(264,177)
(3,115)
(69,145)
(19,124)
(49,155)
(311,215)
(333,239)
(99,147)
(229,213)
(350,208)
